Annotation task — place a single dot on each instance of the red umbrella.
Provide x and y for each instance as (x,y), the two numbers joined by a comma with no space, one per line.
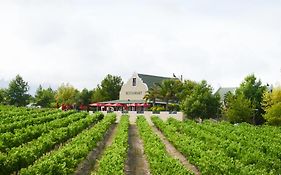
(118,104)
(138,104)
(108,104)
(97,104)
(145,105)
(131,104)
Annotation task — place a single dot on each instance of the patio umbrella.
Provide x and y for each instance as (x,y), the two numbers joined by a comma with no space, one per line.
(138,104)
(118,105)
(145,105)
(96,104)
(108,104)
(132,104)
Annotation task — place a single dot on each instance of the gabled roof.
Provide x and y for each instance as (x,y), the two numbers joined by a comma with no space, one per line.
(222,91)
(150,80)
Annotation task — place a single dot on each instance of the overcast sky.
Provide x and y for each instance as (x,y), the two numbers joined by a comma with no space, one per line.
(78,42)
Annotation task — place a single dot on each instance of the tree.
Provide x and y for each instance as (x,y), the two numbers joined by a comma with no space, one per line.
(168,90)
(253,90)
(66,94)
(272,106)
(201,102)
(109,89)
(152,94)
(273,114)
(44,97)
(2,96)
(187,89)
(271,98)
(17,92)
(97,95)
(239,109)
(111,86)
(85,97)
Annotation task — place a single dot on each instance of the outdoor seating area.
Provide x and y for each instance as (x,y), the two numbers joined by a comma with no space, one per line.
(107,106)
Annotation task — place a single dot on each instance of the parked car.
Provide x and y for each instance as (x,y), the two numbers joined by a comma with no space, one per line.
(33,105)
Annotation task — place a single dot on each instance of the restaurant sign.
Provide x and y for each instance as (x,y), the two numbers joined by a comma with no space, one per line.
(134,93)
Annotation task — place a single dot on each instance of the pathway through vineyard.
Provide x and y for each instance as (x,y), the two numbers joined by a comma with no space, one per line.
(175,153)
(136,162)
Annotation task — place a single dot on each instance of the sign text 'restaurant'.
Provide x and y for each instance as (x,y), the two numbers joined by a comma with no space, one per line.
(134,93)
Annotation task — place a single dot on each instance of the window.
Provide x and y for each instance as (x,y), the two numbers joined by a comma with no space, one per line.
(134,81)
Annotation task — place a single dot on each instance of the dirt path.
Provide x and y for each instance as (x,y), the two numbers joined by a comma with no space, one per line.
(91,161)
(175,153)
(136,163)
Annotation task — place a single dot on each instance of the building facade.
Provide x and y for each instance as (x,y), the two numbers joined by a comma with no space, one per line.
(137,86)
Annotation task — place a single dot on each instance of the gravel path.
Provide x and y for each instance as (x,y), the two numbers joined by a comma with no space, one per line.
(175,153)
(136,163)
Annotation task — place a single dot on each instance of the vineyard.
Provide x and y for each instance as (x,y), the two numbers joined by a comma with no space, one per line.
(47,141)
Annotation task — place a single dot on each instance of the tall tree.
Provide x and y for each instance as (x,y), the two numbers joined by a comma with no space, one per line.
(239,109)
(97,95)
(272,106)
(85,97)
(201,102)
(44,97)
(152,94)
(168,90)
(66,94)
(253,90)
(17,92)
(108,89)
(187,89)
(111,86)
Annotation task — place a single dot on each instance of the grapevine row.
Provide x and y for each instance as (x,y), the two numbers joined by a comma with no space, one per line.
(66,158)
(32,121)
(21,116)
(248,149)
(159,160)
(113,159)
(26,154)
(23,135)
(211,154)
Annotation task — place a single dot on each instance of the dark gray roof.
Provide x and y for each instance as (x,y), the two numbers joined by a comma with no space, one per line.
(150,80)
(222,91)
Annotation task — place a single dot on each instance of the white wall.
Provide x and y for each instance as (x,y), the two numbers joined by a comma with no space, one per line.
(147,114)
(128,91)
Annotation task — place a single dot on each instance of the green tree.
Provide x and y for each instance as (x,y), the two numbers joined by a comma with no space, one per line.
(187,89)
(168,90)
(108,89)
(152,94)
(2,96)
(17,92)
(271,104)
(66,94)
(273,114)
(271,98)
(201,102)
(111,86)
(239,109)
(85,97)
(253,90)
(44,97)
(97,95)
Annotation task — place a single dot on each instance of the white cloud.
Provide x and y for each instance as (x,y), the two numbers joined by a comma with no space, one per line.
(80,42)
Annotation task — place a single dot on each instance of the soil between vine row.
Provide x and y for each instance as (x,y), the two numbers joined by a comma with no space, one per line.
(136,163)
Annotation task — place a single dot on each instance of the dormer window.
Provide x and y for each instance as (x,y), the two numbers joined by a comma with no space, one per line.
(134,81)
